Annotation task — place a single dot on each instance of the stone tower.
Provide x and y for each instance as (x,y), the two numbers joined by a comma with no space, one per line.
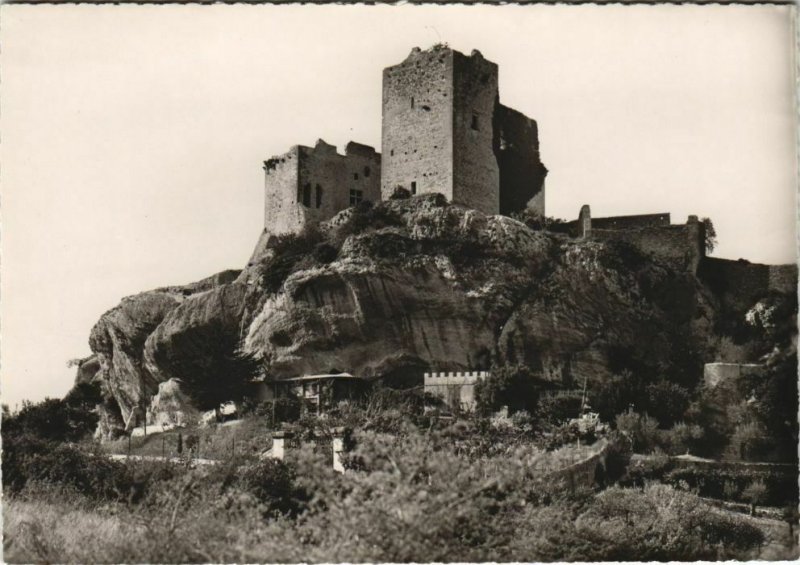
(445,131)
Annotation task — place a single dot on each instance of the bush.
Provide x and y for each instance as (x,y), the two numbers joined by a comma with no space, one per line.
(662,524)
(272,482)
(641,429)
(666,402)
(513,386)
(400,193)
(69,419)
(288,253)
(729,482)
(91,475)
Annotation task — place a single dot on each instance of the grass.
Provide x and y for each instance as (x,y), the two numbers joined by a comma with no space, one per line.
(50,531)
(248,436)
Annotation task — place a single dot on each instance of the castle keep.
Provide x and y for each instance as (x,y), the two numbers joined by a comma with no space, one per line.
(444,130)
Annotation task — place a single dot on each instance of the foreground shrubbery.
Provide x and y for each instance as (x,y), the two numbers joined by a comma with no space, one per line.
(408,496)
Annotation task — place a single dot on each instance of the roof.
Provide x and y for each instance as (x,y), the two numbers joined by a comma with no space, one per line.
(328,376)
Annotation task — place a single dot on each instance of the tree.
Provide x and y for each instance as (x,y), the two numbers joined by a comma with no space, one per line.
(666,402)
(641,429)
(512,386)
(790,516)
(755,493)
(710,235)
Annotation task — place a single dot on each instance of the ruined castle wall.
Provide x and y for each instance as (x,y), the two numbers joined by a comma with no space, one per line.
(476,174)
(631,222)
(417,142)
(522,173)
(331,177)
(783,278)
(679,246)
(313,184)
(740,284)
(281,211)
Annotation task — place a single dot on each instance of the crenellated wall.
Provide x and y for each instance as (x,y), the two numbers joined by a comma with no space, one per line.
(456,389)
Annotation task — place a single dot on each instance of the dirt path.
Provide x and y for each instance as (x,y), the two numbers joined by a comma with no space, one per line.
(122,457)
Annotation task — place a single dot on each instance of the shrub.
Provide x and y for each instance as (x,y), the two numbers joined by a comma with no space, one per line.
(728,482)
(556,409)
(400,193)
(662,524)
(755,493)
(641,429)
(666,402)
(682,438)
(325,253)
(289,251)
(69,419)
(272,482)
(91,475)
(513,386)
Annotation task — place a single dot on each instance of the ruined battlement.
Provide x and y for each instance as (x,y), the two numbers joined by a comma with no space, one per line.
(312,184)
(682,246)
(454,378)
(443,131)
(739,283)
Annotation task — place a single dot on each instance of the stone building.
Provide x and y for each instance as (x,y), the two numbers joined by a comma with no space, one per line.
(457,390)
(444,130)
(312,184)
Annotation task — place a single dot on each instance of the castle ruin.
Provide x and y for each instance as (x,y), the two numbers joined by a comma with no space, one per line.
(443,130)
(312,184)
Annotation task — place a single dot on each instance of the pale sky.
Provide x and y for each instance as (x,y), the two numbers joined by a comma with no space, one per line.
(132,137)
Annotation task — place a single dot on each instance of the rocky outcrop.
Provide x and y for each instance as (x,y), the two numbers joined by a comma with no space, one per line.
(118,342)
(408,286)
(171,406)
(193,335)
(87,369)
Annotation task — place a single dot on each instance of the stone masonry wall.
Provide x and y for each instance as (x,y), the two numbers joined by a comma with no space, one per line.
(455,389)
(281,213)
(631,222)
(740,284)
(679,246)
(417,141)
(522,173)
(476,175)
(313,184)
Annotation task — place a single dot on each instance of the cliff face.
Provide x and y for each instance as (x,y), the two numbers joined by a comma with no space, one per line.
(406,286)
(118,342)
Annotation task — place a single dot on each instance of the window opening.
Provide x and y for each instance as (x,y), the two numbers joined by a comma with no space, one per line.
(412,101)
(307,195)
(355,176)
(356,196)
(319,196)
(475,121)
(366,171)
(413,187)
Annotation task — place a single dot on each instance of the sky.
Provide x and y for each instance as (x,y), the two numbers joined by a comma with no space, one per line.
(132,137)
